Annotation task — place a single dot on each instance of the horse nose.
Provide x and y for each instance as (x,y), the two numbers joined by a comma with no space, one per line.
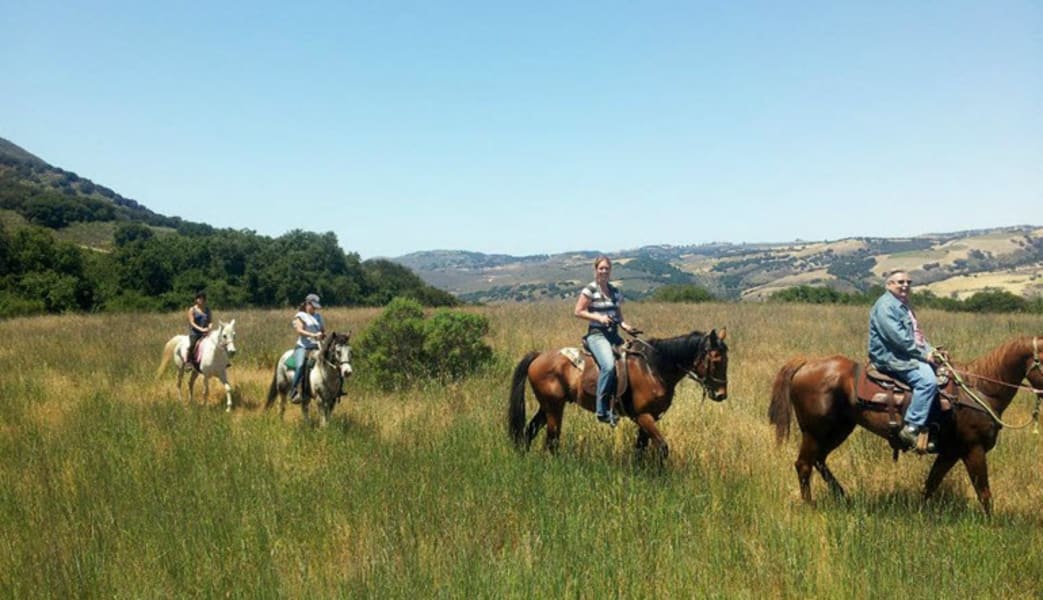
(346,371)
(721,394)
(231,351)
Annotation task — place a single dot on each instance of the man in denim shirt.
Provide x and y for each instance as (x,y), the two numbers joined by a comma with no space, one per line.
(897,347)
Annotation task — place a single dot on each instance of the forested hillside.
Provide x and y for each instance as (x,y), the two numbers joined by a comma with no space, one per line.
(68,244)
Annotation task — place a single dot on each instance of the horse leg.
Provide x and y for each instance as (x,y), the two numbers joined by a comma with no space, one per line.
(192,387)
(648,425)
(939,470)
(553,419)
(830,480)
(228,391)
(978,470)
(642,441)
(535,425)
(806,459)
(180,376)
(325,408)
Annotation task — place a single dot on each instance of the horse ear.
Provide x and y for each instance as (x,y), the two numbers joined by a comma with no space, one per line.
(723,334)
(713,336)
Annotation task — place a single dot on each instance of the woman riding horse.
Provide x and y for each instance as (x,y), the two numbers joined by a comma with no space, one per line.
(599,302)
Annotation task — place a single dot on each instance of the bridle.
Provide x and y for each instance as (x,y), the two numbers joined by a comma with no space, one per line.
(702,359)
(1036,365)
(336,364)
(708,381)
(332,363)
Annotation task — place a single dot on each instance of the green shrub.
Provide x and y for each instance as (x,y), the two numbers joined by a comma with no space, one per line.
(453,346)
(401,348)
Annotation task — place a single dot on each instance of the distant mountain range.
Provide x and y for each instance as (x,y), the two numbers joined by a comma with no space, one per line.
(955,264)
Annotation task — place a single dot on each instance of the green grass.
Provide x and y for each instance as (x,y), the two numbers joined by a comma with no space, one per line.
(110,487)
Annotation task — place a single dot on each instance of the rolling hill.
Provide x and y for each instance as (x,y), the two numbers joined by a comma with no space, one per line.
(956,264)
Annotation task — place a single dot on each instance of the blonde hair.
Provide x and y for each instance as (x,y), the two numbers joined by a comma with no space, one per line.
(600,258)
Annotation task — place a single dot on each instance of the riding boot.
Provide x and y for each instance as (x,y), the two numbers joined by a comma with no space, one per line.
(604,414)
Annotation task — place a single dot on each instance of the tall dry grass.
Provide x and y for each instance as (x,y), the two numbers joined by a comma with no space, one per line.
(111,487)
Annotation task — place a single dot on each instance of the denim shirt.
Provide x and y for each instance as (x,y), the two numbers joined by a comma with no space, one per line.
(892,343)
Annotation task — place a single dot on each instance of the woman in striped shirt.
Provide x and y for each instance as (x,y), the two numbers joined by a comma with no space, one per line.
(599,303)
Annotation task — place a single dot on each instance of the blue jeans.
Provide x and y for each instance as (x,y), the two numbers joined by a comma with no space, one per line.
(925,387)
(299,356)
(601,348)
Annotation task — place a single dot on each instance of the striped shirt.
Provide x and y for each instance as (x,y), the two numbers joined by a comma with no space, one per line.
(604,305)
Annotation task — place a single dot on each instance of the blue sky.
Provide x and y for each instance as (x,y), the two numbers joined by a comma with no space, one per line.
(535,127)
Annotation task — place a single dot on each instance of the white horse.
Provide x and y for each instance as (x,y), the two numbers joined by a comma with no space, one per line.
(332,367)
(214,351)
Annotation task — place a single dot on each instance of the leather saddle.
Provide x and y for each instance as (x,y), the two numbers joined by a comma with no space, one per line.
(878,390)
(583,360)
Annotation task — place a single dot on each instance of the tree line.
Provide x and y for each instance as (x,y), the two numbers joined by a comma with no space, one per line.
(154,271)
(988,301)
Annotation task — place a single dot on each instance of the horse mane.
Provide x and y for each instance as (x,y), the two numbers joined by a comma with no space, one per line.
(993,364)
(676,350)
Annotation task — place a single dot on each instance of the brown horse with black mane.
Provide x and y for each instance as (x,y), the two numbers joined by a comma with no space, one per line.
(653,370)
(822,394)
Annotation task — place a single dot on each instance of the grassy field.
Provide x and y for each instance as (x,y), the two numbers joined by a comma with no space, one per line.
(109,487)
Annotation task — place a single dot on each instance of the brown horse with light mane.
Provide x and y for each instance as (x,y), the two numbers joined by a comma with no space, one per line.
(821,393)
(652,371)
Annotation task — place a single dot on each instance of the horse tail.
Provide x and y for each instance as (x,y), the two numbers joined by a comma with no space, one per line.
(273,390)
(168,353)
(516,406)
(780,411)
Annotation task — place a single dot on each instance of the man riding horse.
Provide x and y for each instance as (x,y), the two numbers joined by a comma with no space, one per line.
(897,346)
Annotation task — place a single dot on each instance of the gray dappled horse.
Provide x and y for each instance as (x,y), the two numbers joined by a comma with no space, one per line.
(214,351)
(332,367)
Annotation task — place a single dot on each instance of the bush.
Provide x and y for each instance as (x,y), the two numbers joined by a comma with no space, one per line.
(400,348)
(453,345)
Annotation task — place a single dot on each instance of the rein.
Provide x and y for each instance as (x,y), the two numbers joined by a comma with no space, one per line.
(690,373)
(987,407)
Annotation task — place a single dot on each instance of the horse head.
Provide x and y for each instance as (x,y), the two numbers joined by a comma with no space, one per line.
(337,352)
(1034,372)
(712,365)
(226,337)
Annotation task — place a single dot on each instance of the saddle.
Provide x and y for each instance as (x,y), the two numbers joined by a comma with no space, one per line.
(583,360)
(876,390)
(309,364)
(197,357)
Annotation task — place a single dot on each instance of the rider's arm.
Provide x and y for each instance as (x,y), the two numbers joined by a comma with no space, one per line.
(192,321)
(298,326)
(582,304)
